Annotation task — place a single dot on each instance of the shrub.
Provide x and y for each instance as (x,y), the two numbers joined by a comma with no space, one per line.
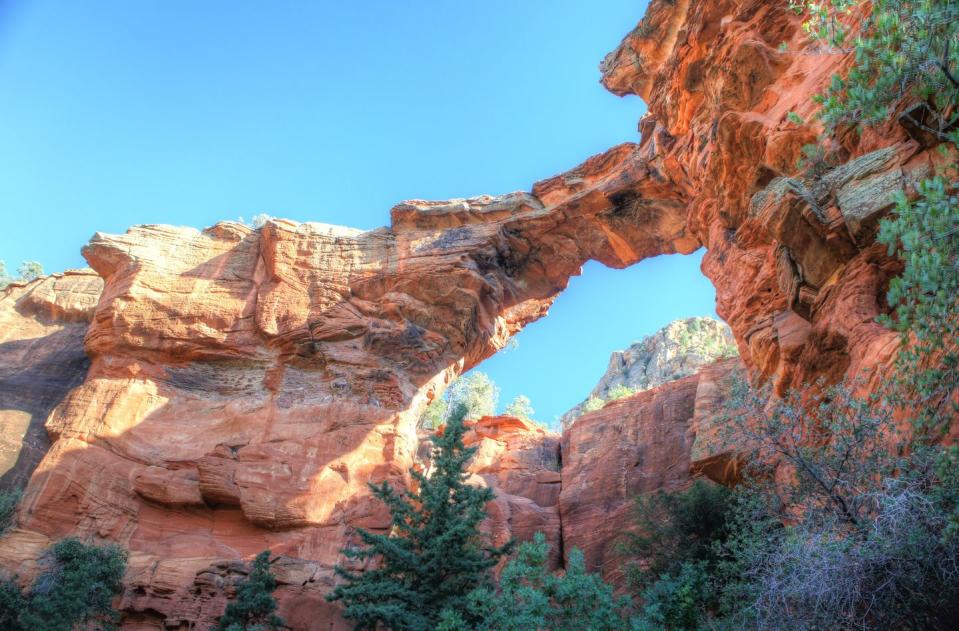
(673,529)
(620,391)
(434,554)
(531,597)
(475,391)
(924,233)
(29,270)
(593,403)
(74,590)
(906,49)
(254,608)
(850,534)
(677,602)
(673,555)
(8,508)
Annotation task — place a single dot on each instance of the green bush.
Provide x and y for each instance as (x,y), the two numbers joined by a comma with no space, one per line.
(593,403)
(907,49)
(8,508)
(673,529)
(620,391)
(530,597)
(254,608)
(854,535)
(924,233)
(28,270)
(678,602)
(73,591)
(521,407)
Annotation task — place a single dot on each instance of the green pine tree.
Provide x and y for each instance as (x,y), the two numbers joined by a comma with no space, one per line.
(254,607)
(434,555)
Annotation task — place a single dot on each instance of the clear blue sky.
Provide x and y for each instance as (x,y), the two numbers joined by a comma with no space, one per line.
(119,112)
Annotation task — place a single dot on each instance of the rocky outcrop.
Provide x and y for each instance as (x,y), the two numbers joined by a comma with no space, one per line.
(677,350)
(245,385)
(790,249)
(42,324)
(650,441)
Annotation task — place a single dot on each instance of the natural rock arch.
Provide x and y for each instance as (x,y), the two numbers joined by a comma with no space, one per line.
(245,385)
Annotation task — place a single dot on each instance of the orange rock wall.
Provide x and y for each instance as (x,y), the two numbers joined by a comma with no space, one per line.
(245,385)
(42,324)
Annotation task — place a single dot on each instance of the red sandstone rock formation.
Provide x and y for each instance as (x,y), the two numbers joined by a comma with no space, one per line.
(245,385)
(791,254)
(41,359)
(651,441)
(521,462)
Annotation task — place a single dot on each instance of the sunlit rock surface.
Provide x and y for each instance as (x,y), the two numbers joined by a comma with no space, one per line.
(244,386)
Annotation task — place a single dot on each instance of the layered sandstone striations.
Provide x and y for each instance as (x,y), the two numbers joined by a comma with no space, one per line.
(245,385)
(790,248)
(520,461)
(677,350)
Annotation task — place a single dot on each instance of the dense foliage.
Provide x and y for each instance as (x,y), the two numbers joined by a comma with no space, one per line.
(907,49)
(254,608)
(676,541)
(851,534)
(924,233)
(848,515)
(475,392)
(73,591)
(529,597)
(434,554)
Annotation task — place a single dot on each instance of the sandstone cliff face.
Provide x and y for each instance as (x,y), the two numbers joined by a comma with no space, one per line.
(639,444)
(791,251)
(244,386)
(42,324)
(520,461)
(677,350)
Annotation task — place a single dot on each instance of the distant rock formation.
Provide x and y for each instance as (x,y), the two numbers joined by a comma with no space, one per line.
(677,350)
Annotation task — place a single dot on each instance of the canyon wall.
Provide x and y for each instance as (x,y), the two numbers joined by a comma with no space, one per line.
(240,387)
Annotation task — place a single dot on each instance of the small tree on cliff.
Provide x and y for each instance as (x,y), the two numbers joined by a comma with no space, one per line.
(254,608)
(434,555)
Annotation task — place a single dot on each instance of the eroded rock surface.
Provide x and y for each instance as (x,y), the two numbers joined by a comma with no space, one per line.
(790,248)
(244,386)
(42,324)
(520,461)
